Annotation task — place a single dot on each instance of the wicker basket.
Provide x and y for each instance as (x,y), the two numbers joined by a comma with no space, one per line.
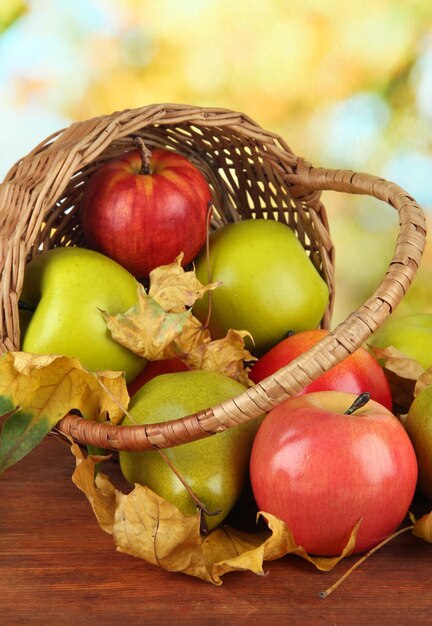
(252,173)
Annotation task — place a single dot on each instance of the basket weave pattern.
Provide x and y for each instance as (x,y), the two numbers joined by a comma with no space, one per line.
(252,173)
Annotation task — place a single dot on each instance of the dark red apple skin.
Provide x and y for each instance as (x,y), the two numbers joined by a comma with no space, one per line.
(145,220)
(358,373)
(155,368)
(321,471)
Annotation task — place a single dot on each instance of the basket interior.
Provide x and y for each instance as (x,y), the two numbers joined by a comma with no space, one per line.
(247,168)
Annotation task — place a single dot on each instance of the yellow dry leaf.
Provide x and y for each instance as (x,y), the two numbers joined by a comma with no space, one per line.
(398,362)
(37,391)
(142,523)
(425,380)
(146,526)
(402,373)
(193,334)
(147,328)
(101,494)
(229,549)
(161,325)
(60,381)
(423,527)
(226,356)
(149,527)
(176,289)
(227,543)
(325,564)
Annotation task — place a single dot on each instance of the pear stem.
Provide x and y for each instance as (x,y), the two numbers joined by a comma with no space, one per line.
(145,155)
(360,401)
(202,507)
(327,592)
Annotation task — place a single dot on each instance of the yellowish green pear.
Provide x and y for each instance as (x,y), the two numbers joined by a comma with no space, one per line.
(418,425)
(67,287)
(215,468)
(410,334)
(269,284)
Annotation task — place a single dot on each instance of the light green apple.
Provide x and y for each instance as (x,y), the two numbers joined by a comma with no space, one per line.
(269,284)
(67,287)
(215,468)
(410,334)
(418,425)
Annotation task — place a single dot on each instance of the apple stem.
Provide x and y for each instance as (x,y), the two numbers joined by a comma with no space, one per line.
(202,507)
(327,592)
(145,155)
(360,401)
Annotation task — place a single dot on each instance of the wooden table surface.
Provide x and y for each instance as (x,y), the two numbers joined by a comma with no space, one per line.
(58,568)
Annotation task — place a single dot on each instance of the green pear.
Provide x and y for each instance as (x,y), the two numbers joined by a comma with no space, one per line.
(410,334)
(418,424)
(67,287)
(215,468)
(269,284)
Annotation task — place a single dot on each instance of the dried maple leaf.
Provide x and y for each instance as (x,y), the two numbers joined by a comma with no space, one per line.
(174,288)
(402,373)
(423,381)
(161,326)
(230,550)
(146,526)
(99,491)
(423,527)
(147,328)
(226,356)
(149,527)
(193,334)
(142,523)
(398,362)
(37,391)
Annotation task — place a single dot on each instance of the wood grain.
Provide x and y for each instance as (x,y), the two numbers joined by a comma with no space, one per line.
(58,568)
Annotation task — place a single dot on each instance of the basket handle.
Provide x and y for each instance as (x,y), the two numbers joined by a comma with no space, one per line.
(289,380)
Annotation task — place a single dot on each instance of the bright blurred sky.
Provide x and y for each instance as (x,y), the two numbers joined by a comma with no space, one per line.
(44,46)
(44,61)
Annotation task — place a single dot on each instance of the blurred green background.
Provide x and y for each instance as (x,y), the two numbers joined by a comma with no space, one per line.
(348,85)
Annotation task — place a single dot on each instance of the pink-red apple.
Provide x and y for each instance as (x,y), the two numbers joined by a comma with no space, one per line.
(143,212)
(360,372)
(321,471)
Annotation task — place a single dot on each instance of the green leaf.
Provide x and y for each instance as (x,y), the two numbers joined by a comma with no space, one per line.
(19,435)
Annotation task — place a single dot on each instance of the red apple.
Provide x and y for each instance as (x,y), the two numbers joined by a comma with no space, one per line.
(155,368)
(143,213)
(321,471)
(358,373)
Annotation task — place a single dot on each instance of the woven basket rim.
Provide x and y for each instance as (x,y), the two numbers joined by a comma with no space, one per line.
(307,183)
